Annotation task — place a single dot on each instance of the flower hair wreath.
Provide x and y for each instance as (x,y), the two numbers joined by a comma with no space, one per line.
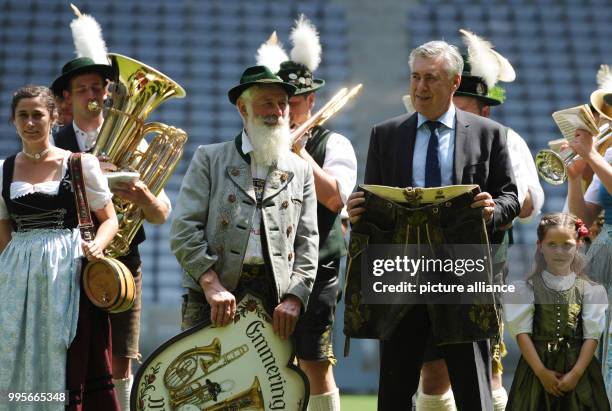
(581,228)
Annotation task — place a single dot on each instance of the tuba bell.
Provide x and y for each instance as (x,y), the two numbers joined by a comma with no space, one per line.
(552,166)
(136,91)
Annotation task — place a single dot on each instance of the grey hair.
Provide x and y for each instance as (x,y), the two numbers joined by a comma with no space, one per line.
(247,95)
(439,49)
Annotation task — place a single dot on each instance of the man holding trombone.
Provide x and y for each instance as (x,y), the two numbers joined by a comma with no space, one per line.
(334,166)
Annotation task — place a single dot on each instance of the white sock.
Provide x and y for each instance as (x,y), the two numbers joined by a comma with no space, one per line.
(500,399)
(442,402)
(330,401)
(123,387)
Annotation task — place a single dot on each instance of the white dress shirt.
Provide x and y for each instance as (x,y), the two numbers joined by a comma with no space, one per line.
(341,163)
(85,139)
(525,172)
(254,253)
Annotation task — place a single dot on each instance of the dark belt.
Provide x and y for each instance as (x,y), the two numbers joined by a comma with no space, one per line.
(254,278)
(259,280)
(252,271)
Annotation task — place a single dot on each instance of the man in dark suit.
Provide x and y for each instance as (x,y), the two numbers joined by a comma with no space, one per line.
(439,145)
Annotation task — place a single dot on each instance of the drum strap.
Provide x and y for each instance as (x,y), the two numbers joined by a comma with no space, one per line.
(84,214)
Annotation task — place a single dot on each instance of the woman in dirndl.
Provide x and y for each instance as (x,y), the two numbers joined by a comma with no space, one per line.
(40,264)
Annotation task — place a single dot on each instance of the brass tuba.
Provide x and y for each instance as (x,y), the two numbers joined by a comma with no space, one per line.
(137,90)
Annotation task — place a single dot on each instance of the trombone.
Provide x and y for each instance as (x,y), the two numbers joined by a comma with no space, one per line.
(552,166)
(325,113)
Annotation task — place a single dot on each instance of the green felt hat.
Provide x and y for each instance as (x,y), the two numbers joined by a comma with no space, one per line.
(258,75)
(300,76)
(474,86)
(78,66)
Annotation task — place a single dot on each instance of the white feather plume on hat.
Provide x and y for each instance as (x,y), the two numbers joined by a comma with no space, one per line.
(271,53)
(485,62)
(306,44)
(87,36)
(604,77)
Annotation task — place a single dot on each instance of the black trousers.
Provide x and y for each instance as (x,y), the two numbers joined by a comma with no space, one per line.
(401,358)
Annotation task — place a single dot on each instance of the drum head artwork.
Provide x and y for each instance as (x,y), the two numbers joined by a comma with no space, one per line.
(243,366)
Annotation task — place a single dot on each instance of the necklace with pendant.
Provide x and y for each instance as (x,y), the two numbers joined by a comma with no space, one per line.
(37,156)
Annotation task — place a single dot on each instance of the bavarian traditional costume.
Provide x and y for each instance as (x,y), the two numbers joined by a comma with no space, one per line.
(559,312)
(39,278)
(313,333)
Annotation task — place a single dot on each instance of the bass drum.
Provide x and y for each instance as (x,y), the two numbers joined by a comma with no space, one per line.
(109,285)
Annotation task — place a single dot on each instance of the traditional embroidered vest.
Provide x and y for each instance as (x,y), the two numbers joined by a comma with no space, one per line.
(331,241)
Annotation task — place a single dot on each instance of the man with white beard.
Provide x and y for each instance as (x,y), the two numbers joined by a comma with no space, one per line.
(246,215)
(334,166)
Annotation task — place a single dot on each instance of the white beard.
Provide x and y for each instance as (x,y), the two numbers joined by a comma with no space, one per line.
(270,142)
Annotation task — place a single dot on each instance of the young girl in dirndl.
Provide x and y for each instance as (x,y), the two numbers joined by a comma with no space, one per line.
(557,317)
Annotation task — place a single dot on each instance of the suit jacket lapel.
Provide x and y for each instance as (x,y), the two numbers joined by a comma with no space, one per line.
(461,146)
(405,151)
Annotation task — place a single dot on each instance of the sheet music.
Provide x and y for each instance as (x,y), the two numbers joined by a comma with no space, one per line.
(571,119)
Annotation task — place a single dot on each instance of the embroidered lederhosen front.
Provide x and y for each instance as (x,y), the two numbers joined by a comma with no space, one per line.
(449,220)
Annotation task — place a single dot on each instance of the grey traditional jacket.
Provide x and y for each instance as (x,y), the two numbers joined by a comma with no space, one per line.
(214,213)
